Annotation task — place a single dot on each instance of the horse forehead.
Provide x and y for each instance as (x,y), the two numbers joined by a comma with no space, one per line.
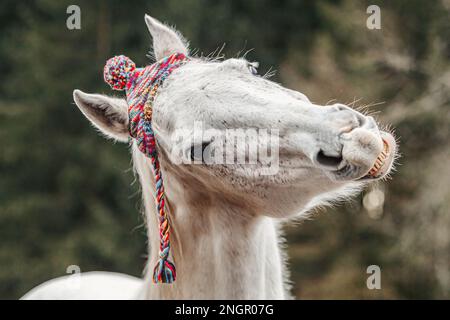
(208,89)
(203,71)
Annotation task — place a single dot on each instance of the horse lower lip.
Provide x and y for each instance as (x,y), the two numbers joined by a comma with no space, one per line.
(347,172)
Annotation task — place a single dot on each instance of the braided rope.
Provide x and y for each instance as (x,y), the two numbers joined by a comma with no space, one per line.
(141,86)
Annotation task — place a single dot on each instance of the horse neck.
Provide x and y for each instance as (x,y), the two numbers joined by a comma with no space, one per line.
(220,249)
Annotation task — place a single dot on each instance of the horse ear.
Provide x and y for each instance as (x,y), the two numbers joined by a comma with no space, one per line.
(109,115)
(166,41)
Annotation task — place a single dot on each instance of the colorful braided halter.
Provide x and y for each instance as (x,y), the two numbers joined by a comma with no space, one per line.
(141,85)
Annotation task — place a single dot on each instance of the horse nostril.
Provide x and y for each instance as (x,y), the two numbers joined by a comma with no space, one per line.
(346,118)
(361,119)
(328,161)
(352,121)
(338,107)
(369,123)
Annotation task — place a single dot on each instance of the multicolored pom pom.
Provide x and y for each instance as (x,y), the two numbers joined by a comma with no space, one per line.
(117,71)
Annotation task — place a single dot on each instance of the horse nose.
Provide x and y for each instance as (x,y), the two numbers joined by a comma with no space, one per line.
(346,119)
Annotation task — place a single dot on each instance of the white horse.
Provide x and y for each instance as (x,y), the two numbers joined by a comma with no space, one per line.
(226,217)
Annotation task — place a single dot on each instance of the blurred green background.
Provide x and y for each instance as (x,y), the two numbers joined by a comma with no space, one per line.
(67,196)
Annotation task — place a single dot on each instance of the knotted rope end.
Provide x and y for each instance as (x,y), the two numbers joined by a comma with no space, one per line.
(164,272)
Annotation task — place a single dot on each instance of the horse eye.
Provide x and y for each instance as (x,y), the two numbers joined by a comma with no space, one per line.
(252,69)
(197,152)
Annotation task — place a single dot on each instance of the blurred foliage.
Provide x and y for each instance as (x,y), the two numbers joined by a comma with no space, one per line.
(67,196)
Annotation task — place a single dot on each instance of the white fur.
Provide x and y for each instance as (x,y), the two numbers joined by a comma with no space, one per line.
(225,218)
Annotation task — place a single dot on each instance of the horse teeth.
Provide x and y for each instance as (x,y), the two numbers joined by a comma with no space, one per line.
(379,162)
